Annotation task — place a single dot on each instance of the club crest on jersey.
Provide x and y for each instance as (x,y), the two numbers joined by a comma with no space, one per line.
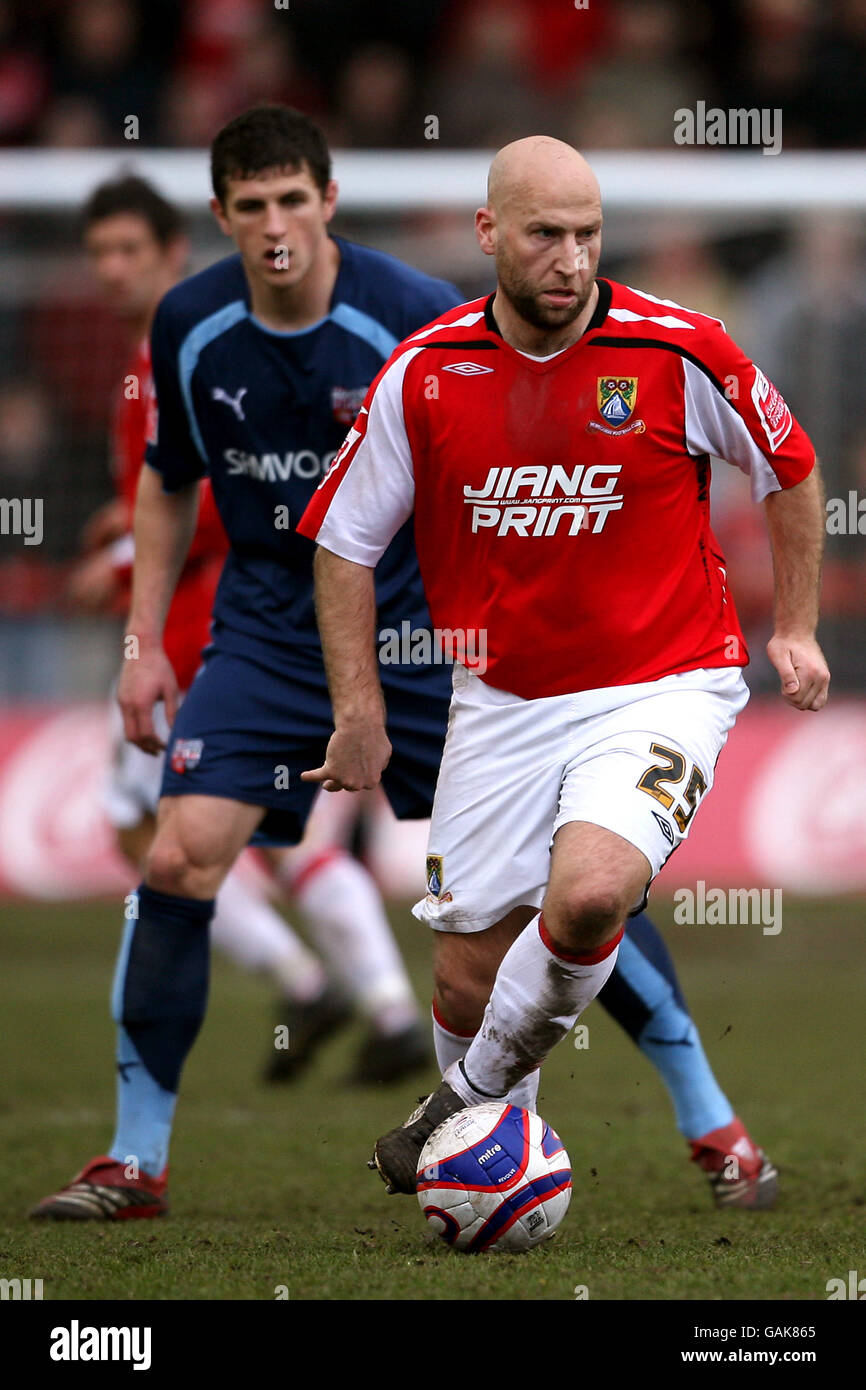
(186,753)
(346,401)
(616,397)
(436,878)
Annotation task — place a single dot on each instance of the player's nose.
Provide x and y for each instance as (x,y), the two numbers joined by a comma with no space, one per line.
(275,223)
(566,257)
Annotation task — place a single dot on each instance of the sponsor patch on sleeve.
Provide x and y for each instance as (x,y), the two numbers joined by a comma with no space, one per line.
(772,409)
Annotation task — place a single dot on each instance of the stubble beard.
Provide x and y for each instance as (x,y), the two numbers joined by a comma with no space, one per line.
(526,300)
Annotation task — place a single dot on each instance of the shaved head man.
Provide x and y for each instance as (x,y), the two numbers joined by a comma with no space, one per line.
(542,225)
(561,468)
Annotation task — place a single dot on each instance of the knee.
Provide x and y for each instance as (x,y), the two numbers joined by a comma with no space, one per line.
(168,867)
(586,915)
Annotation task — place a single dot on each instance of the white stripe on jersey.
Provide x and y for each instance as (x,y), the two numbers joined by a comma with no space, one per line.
(377,493)
(714,426)
(663,320)
(672,304)
(466,322)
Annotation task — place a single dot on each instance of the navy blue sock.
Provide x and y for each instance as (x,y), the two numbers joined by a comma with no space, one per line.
(158,1001)
(644,996)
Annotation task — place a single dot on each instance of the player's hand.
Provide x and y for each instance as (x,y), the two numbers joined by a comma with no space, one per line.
(354,760)
(802,670)
(107,524)
(93,583)
(144,679)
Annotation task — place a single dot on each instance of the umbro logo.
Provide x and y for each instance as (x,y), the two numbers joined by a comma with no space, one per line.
(467,368)
(218,394)
(665,828)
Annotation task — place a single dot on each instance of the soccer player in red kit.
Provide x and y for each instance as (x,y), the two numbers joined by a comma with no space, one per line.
(137,250)
(554,442)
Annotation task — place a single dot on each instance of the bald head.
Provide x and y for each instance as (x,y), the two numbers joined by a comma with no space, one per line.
(542,224)
(539,171)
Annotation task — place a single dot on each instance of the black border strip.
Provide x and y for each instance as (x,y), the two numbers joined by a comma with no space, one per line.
(665,347)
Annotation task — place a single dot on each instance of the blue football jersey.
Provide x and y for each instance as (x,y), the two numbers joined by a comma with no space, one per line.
(263,412)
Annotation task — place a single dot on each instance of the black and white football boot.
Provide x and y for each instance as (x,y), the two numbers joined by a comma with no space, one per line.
(397,1153)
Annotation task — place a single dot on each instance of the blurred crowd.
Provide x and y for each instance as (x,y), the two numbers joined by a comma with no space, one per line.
(791,290)
(600,73)
(794,294)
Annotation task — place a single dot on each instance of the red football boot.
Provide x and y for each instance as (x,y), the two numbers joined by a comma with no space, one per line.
(103,1192)
(740,1173)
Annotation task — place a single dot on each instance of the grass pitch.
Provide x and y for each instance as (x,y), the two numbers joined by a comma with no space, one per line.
(269,1189)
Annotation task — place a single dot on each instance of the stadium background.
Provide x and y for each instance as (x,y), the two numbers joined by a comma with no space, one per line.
(774,245)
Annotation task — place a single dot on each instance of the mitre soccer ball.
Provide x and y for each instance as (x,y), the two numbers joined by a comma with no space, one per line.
(494,1176)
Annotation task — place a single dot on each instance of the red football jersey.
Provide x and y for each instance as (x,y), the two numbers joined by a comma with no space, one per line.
(562,506)
(187,628)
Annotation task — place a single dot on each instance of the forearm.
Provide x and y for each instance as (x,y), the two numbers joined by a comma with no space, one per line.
(346,613)
(795,519)
(164,527)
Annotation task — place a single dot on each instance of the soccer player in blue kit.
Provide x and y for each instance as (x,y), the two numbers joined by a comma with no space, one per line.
(260,362)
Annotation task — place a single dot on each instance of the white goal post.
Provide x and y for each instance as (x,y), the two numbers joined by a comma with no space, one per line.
(389,181)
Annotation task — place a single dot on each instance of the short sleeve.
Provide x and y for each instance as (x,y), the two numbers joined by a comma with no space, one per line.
(733,412)
(171,449)
(429,300)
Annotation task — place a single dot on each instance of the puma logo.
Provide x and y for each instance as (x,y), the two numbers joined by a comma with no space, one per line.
(218,394)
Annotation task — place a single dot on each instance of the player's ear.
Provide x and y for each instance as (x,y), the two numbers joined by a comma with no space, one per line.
(485,230)
(216,208)
(329,200)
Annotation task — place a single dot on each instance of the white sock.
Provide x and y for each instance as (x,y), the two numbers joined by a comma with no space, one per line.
(537,995)
(254,935)
(452,1047)
(347,922)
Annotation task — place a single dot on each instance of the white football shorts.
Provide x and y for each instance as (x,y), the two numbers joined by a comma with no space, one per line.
(635,759)
(131,788)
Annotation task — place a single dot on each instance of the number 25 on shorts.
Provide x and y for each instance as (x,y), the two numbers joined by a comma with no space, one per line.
(672,771)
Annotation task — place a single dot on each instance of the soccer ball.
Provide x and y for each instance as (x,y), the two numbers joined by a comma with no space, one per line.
(494,1176)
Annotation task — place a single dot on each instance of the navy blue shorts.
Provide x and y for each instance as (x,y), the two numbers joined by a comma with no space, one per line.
(247,730)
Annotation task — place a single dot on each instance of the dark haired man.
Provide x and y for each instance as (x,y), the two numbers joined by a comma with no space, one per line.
(136,247)
(132,197)
(260,363)
(269,137)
